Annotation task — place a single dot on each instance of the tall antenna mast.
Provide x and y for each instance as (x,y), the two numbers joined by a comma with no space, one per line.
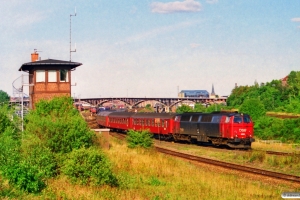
(71,35)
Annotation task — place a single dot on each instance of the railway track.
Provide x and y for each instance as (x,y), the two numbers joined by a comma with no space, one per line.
(227,165)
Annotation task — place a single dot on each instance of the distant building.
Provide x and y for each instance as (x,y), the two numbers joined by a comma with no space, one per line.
(193,93)
(284,81)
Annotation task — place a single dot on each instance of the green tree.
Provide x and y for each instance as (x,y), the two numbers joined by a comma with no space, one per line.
(4,97)
(183,109)
(199,108)
(253,107)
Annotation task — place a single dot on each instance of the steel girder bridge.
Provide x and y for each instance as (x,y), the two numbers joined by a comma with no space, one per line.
(166,103)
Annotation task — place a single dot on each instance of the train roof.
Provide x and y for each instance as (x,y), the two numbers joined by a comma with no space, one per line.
(216,113)
(142,115)
(121,114)
(104,113)
(155,115)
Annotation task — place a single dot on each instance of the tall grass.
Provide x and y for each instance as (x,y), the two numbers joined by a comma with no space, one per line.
(146,174)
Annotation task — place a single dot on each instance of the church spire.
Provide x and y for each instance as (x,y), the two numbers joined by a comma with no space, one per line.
(213,90)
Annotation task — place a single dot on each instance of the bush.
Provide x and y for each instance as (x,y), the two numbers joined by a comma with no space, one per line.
(20,172)
(34,152)
(253,107)
(4,120)
(25,176)
(59,126)
(139,139)
(89,167)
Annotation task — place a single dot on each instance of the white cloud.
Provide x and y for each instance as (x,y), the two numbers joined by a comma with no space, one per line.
(176,6)
(297,19)
(212,1)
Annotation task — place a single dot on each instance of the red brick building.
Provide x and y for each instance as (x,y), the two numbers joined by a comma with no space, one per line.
(48,78)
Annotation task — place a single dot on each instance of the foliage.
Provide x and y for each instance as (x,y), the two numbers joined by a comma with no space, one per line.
(52,130)
(4,97)
(4,120)
(89,167)
(183,109)
(139,139)
(34,152)
(59,126)
(253,107)
(274,95)
(286,130)
(16,168)
(199,108)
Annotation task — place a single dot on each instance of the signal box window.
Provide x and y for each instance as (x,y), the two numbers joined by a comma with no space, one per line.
(64,75)
(40,76)
(52,76)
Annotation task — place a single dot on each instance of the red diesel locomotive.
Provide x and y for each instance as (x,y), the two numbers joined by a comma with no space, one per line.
(232,129)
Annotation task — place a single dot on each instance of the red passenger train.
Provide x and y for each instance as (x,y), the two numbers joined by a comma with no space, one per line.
(232,129)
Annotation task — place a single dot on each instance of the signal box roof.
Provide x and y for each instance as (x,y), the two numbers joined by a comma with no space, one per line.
(49,63)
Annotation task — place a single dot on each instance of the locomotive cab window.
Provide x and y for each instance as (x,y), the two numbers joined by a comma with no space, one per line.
(246,119)
(237,119)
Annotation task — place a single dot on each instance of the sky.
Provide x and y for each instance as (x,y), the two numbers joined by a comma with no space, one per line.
(153,48)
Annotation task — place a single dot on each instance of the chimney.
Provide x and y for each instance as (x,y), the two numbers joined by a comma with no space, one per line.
(34,56)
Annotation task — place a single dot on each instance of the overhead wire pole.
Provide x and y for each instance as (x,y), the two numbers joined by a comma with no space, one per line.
(71,35)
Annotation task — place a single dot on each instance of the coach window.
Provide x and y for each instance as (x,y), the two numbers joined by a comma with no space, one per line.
(152,122)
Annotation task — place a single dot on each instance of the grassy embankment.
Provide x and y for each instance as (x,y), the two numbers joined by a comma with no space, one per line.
(146,174)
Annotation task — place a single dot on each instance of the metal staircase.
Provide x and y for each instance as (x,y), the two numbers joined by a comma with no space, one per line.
(20,100)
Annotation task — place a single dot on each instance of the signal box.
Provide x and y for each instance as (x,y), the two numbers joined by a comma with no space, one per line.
(48,78)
